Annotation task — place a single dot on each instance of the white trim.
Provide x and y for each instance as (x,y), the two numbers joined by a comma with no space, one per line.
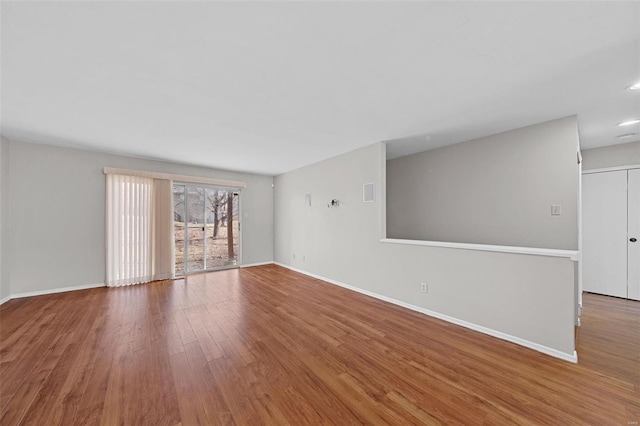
(611,169)
(579,217)
(5,300)
(256,264)
(571,254)
(170,176)
(56,290)
(488,331)
(383,190)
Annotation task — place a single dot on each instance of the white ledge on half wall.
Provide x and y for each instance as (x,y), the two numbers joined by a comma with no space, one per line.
(571,254)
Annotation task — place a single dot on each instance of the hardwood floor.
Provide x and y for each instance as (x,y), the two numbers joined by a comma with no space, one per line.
(265,345)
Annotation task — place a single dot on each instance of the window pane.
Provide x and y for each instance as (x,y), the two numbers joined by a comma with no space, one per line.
(178,227)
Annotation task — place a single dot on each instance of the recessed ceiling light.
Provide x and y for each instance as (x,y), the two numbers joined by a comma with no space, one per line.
(629,122)
(634,86)
(626,135)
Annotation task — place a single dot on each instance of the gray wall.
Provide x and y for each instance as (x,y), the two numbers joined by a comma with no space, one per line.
(57,209)
(493,190)
(611,156)
(526,296)
(4,218)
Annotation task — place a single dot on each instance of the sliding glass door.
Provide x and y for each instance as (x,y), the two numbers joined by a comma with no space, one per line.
(179,233)
(195,229)
(206,227)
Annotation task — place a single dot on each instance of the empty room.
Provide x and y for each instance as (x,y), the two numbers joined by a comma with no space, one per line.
(319,212)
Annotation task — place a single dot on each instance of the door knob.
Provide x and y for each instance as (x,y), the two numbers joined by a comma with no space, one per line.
(633,240)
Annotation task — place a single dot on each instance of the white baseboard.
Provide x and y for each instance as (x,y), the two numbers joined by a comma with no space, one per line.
(4,300)
(500,335)
(55,290)
(256,264)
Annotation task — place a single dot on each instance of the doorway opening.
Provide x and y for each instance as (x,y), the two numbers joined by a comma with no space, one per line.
(206,225)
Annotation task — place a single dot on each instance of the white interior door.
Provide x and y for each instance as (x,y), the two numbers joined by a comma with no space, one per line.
(604,233)
(633,229)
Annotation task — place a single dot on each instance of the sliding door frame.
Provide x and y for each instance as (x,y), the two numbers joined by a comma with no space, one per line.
(231,189)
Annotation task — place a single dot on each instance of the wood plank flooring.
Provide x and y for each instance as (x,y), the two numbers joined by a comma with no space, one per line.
(265,345)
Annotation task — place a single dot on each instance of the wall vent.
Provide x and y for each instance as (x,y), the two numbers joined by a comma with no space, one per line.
(368,193)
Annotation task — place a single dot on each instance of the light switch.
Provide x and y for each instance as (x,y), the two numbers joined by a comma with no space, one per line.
(246,214)
(555,210)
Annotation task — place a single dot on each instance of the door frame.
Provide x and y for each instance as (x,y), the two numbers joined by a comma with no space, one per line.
(610,169)
(186,242)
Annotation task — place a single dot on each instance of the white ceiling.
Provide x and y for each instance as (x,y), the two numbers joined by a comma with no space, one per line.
(268,87)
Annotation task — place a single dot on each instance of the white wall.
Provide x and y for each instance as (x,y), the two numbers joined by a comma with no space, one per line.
(2,171)
(626,154)
(526,296)
(493,190)
(4,217)
(57,207)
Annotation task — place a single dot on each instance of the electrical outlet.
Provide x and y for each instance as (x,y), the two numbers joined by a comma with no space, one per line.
(294,256)
(304,258)
(424,288)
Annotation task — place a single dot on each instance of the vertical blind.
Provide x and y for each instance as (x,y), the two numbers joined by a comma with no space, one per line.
(139,219)
(163,238)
